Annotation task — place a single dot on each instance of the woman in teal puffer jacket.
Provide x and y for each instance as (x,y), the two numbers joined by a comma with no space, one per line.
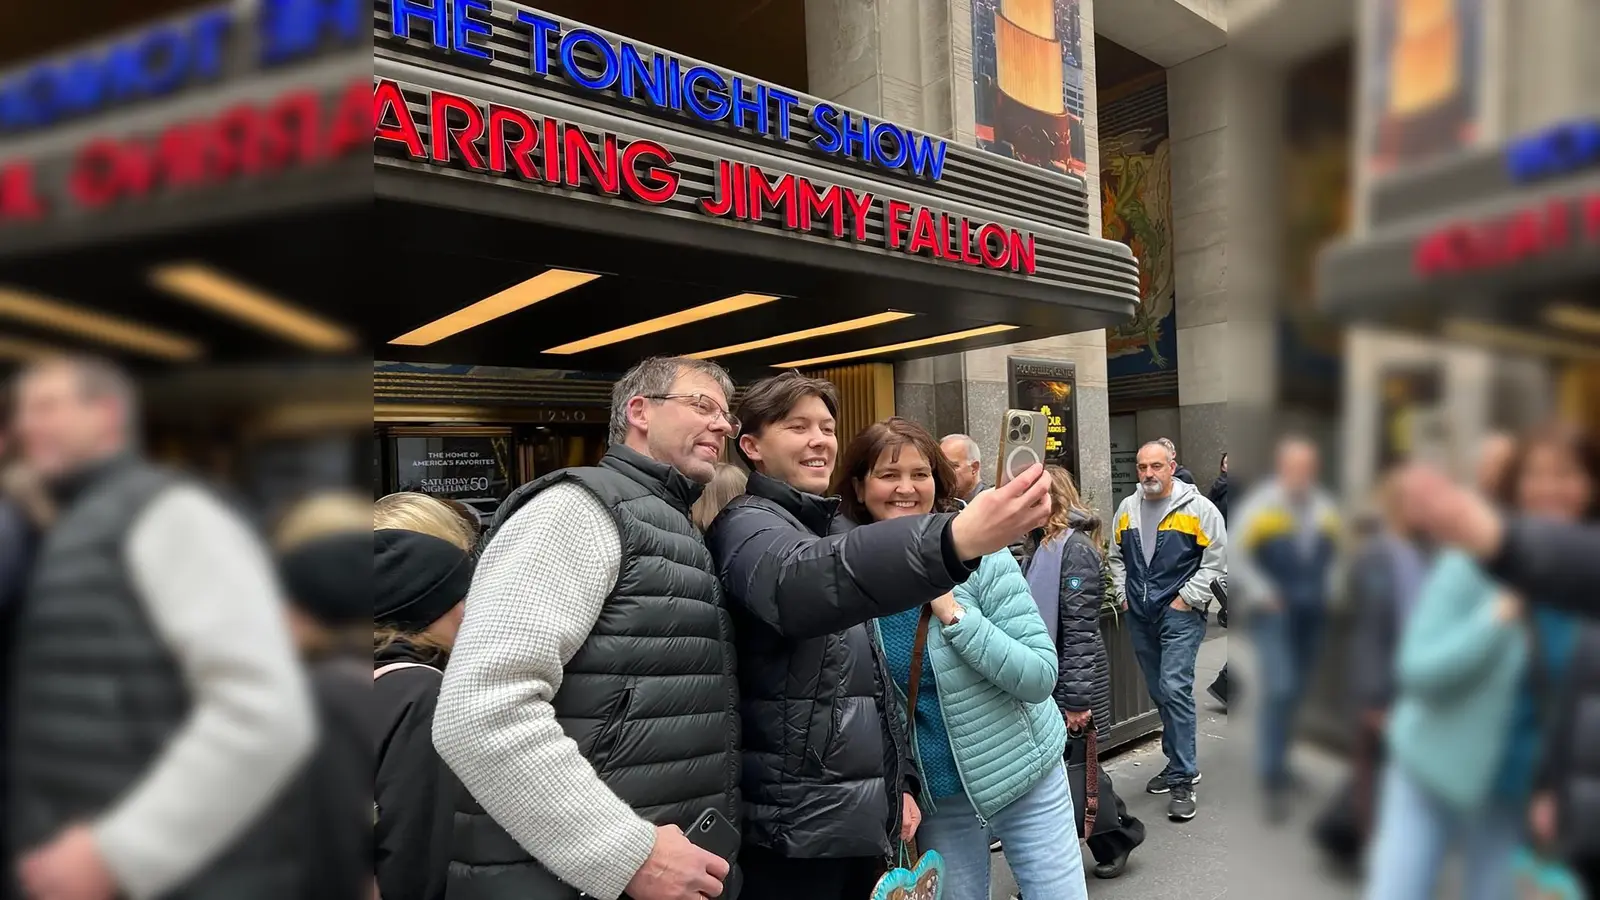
(988,738)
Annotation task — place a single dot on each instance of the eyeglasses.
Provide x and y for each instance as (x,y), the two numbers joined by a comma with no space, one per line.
(701,404)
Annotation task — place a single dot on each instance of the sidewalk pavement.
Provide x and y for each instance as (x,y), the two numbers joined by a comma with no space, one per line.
(1192,859)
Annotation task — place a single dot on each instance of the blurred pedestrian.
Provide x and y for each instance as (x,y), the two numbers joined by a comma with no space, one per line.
(1067,577)
(423,565)
(324,547)
(590,706)
(822,813)
(1282,562)
(1168,547)
(1179,470)
(1219,489)
(727,483)
(147,751)
(1475,668)
(980,678)
(966,460)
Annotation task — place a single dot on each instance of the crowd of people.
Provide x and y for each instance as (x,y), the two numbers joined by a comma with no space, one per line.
(846,653)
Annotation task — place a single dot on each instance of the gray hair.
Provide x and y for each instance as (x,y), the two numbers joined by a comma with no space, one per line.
(967,443)
(1165,444)
(656,376)
(98,378)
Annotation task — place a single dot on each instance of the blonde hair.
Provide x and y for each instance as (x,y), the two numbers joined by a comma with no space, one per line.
(1064,499)
(321,515)
(410,511)
(727,483)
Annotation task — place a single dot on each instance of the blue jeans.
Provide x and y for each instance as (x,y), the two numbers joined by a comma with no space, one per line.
(1040,834)
(1166,648)
(1416,832)
(1287,642)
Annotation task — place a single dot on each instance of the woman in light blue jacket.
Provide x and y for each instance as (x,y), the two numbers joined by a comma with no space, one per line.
(988,737)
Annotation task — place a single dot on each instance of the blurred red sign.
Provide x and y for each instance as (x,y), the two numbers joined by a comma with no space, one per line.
(1526,235)
(297,129)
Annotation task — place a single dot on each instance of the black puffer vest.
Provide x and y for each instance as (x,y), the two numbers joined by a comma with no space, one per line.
(651,697)
(97,694)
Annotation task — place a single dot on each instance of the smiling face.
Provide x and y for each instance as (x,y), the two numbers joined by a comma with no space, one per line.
(687,431)
(798,448)
(900,483)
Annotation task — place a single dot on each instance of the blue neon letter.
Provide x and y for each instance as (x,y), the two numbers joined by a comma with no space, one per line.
(857,137)
(465,26)
(635,71)
(539,41)
(756,105)
(716,105)
(786,102)
(828,139)
(206,43)
(291,28)
(898,157)
(926,152)
(401,12)
(608,59)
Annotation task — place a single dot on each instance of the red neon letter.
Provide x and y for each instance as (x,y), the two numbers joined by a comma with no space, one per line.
(1022,252)
(238,139)
(1436,253)
(1591,217)
(661,184)
(995,257)
(444,134)
(182,152)
(386,96)
(521,150)
(923,234)
(894,221)
(763,194)
(581,156)
(18,199)
(720,203)
(826,203)
(295,122)
(860,207)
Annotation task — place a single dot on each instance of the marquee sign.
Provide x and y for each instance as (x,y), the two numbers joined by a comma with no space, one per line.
(504,141)
(1551,227)
(598,63)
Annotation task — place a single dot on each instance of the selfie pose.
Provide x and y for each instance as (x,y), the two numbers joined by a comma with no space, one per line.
(987,737)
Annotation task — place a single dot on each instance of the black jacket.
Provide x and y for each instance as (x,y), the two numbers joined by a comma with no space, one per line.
(650,697)
(1084,675)
(1219,495)
(1552,563)
(1182,473)
(823,767)
(415,791)
(1571,765)
(337,783)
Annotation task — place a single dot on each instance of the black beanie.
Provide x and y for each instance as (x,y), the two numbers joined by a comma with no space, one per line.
(418,579)
(327,577)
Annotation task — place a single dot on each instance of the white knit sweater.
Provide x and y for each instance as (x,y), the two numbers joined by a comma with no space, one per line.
(535,597)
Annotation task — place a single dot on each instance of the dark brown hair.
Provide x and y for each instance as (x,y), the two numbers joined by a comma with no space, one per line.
(771,399)
(869,446)
(1576,441)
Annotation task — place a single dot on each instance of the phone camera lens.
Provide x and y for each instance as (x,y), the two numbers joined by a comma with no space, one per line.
(705,824)
(1015,421)
(1015,435)
(1027,430)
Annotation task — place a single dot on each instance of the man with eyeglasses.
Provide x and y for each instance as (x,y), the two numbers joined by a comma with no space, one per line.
(590,704)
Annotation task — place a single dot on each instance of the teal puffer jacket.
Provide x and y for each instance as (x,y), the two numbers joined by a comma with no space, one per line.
(995,670)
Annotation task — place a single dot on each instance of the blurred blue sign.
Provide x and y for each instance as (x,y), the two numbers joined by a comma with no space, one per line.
(1560,150)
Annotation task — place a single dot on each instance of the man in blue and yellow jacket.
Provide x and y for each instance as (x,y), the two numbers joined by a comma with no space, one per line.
(1288,531)
(1168,546)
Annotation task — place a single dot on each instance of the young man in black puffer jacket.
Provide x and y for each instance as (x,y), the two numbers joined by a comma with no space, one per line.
(827,780)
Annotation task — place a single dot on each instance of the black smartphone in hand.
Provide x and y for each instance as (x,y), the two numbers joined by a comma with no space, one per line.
(713,832)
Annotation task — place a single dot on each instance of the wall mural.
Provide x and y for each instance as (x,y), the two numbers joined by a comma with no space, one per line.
(1136,209)
(1027,73)
(1424,92)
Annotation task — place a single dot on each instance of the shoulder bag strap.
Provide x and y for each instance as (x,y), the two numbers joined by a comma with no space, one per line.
(394,667)
(918,647)
(1091,781)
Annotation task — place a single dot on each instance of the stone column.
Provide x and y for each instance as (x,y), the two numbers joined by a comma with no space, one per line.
(1197,115)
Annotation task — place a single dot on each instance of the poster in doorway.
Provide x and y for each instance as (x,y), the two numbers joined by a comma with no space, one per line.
(1424,96)
(474,466)
(1027,74)
(1049,386)
(1136,210)
(1410,415)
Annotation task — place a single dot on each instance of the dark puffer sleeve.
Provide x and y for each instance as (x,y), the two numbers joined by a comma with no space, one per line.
(1078,645)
